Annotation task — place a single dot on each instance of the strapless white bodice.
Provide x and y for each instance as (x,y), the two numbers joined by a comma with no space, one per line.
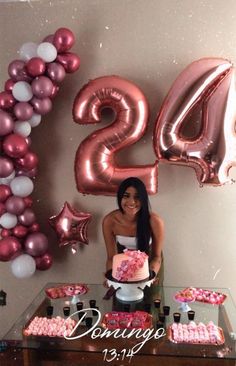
(129,242)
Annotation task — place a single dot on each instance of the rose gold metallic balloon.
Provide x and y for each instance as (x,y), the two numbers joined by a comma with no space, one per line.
(70,225)
(96,171)
(209,85)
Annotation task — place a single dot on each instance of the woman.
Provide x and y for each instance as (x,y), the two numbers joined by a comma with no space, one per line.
(133,226)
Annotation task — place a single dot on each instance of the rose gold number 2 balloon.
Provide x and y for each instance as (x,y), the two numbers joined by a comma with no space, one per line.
(96,171)
(212,152)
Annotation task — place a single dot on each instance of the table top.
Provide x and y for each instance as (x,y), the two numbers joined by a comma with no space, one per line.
(223,315)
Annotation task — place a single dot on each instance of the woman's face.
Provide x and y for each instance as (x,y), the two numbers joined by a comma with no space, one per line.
(130,201)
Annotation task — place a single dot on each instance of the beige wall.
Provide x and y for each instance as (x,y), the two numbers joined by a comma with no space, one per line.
(148,42)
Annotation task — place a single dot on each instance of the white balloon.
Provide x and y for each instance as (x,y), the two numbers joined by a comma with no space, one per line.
(8,221)
(23,266)
(28,50)
(23,128)
(35,120)
(22,186)
(7,180)
(22,91)
(47,51)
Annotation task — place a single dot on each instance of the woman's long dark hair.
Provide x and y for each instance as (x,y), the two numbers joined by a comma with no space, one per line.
(143,232)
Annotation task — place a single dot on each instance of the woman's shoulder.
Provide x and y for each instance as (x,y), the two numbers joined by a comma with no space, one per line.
(111,217)
(155,219)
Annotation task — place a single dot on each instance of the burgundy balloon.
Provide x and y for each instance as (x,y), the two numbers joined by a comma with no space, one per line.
(15,146)
(28,140)
(44,262)
(28,201)
(70,61)
(34,227)
(49,38)
(23,111)
(27,218)
(9,85)
(41,106)
(5,233)
(36,244)
(56,71)
(17,71)
(6,123)
(15,205)
(7,100)
(2,209)
(42,87)
(28,162)
(54,90)
(5,192)
(63,39)
(28,173)
(20,231)
(6,167)
(9,247)
(35,66)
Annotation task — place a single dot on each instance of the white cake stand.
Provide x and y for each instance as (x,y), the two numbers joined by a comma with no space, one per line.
(129,291)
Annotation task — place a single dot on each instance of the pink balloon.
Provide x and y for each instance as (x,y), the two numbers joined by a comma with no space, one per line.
(36,244)
(17,71)
(2,210)
(70,61)
(28,162)
(5,192)
(27,218)
(15,205)
(9,85)
(54,90)
(6,167)
(41,106)
(206,84)
(44,262)
(42,87)
(35,66)
(96,170)
(9,247)
(20,231)
(56,72)
(63,39)
(23,111)
(7,100)
(15,146)
(6,123)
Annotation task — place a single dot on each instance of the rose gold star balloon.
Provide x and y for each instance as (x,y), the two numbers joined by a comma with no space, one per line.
(70,225)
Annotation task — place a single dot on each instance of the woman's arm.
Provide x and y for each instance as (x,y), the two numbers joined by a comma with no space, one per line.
(107,227)
(157,229)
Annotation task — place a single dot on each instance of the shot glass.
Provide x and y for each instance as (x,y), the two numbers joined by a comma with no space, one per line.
(49,310)
(166,310)
(177,317)
(92,303)
(191,314)
(94,312)
(89,322)
(66,310)
(162,317)
(80,314)
(79,305)
(157,303)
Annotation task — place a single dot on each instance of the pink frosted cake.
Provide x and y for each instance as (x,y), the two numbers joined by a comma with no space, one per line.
(130,266)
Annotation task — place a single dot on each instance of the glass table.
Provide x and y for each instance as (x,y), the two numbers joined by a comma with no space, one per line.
(91,348)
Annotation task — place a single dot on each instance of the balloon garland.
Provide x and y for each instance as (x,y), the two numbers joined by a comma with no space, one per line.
(28,94)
